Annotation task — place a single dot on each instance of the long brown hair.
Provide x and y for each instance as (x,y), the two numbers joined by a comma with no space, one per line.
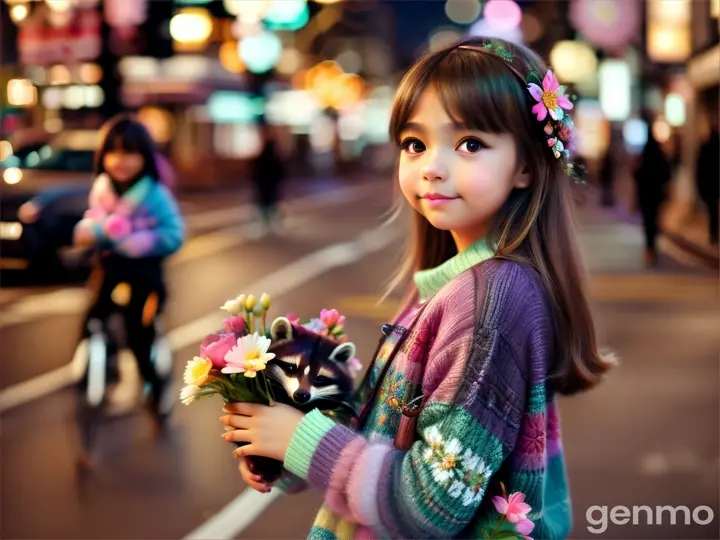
(536,225)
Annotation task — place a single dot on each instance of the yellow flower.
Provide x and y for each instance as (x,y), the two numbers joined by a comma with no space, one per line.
(250,303)
(241,301)
(265,301)
(197,371)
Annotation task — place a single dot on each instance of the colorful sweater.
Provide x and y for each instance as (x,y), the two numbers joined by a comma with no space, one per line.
(144,222)
(478,347)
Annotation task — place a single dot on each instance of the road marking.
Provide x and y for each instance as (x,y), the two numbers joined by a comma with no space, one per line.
(235,516)
(278,283)
(74,301)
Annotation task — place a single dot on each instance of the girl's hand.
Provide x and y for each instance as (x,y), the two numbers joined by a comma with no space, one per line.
(267,430)
(255,481)
(83,237)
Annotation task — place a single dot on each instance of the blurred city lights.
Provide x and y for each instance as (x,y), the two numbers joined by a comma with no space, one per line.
(661,130)
(615,89)
(247,10)
(59,5)
(443,38)
(290,61)
(21,93)
(229,58)
(13,175)
(260,52)
(287,15)
(294,108)
(59,74)
(6,150)
(635,135)
(668,30)
(349,60)
(226,107)
(159,123)
(90,73)
(503,14)
(592,132)
(573,61)
(675,109)
(463,11)
(19,12)
(191,25)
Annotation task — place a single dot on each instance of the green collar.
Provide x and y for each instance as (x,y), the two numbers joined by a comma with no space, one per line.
(430,281)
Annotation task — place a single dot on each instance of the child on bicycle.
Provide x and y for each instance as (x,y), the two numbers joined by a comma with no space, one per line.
(133,224)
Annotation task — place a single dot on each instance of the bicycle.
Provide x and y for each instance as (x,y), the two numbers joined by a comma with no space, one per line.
(100,352)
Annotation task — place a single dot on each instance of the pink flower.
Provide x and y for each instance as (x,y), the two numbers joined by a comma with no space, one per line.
(117,227)
(525,527)
(95,213)
(514,507)
(292,318)
(234,324)
(215,347)
(551,98)
(331,317)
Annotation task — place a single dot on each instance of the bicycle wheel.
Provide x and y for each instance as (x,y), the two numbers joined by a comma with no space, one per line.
(91,392)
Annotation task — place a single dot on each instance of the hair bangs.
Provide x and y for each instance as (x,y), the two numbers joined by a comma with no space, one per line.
(475,88)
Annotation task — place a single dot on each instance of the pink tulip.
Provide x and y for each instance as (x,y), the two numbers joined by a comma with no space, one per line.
(214,347)
(514,508)
(234,324)
(292,318)
(331,317)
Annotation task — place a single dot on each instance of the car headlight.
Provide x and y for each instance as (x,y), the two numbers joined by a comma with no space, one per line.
(10,230)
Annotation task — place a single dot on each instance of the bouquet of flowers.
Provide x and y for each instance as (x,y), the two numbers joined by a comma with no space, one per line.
(307,366)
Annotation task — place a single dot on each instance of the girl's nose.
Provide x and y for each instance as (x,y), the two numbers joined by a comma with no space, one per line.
(434,170)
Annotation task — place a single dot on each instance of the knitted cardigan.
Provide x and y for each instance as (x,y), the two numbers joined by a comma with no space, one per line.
(478,347)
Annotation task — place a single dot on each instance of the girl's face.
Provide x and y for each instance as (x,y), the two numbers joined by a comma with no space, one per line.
(456,177)
(123,166)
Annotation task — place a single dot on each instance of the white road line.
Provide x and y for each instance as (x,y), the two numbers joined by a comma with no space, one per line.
(276,284)
(73,301)
(236,516)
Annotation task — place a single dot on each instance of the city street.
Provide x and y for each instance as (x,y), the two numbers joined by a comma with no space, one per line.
(647,437)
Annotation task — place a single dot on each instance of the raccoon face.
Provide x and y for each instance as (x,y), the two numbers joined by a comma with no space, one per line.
(310,367)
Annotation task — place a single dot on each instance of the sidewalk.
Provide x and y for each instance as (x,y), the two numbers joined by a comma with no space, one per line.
(680,223)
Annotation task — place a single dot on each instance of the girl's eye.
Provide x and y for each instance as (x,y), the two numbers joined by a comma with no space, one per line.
(412,146)
(470,146)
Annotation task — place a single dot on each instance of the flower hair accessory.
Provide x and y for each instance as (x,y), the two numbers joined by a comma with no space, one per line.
(551,104)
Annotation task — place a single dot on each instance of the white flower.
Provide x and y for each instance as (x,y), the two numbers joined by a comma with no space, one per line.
(249,355)
(456,489)
(444,469)
(188,394)
(472,497)
(233,307)
(433,438)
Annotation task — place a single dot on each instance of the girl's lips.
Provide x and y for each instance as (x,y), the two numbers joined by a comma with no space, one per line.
(437,197)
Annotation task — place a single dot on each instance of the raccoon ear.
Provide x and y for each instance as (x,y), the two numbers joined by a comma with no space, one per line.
(281,329)
(343,353)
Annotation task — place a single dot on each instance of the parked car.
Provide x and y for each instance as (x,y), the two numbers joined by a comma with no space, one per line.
(43,194)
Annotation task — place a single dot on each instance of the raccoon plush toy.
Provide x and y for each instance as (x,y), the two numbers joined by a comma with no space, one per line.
(309,371)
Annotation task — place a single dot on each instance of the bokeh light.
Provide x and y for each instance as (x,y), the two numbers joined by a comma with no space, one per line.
(463,11)
(503,13)
(261,52)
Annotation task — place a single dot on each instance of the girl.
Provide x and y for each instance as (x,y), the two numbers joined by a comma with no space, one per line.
(460,400)
(134,223)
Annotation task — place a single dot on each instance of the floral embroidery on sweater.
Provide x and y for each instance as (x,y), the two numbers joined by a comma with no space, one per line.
(463,474)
